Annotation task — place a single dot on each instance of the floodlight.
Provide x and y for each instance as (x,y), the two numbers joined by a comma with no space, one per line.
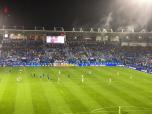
(6,35)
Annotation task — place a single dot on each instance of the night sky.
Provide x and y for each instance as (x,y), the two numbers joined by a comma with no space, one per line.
(113,14)
(66,13)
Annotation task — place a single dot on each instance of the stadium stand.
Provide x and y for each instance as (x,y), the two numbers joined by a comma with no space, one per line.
(34,51)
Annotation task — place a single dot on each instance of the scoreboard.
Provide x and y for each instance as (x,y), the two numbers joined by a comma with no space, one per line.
(55,39)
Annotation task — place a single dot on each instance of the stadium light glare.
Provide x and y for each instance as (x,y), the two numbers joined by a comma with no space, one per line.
(6,35)
(142,2)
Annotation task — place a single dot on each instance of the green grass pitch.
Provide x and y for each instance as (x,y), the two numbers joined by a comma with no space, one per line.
(74,90)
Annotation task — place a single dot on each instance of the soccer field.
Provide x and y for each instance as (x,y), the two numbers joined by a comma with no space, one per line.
(74,90)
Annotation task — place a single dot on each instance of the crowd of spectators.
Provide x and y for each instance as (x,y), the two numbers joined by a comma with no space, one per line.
(37,52)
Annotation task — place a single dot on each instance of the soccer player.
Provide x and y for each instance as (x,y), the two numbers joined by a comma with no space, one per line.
(82,78)
(110,80)
(89,72)
(59,75)
(68,75)
(20,71)
(117,73)
(43,75)
(131,77)
(18,79)
(34,75)
(49,78)
(40,76)
(10,70)
(58,78)
(59,72)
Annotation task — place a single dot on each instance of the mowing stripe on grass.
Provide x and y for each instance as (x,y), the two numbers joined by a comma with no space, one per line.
(73,102)
(130,97)
(39,100)
(23,103)
(7,101)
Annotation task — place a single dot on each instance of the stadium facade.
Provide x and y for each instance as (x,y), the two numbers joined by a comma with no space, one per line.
(123,37)
(78,47)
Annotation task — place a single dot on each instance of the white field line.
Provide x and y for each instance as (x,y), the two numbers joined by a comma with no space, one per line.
(103,109)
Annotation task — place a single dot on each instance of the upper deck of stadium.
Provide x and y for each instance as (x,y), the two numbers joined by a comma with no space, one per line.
(120,36)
